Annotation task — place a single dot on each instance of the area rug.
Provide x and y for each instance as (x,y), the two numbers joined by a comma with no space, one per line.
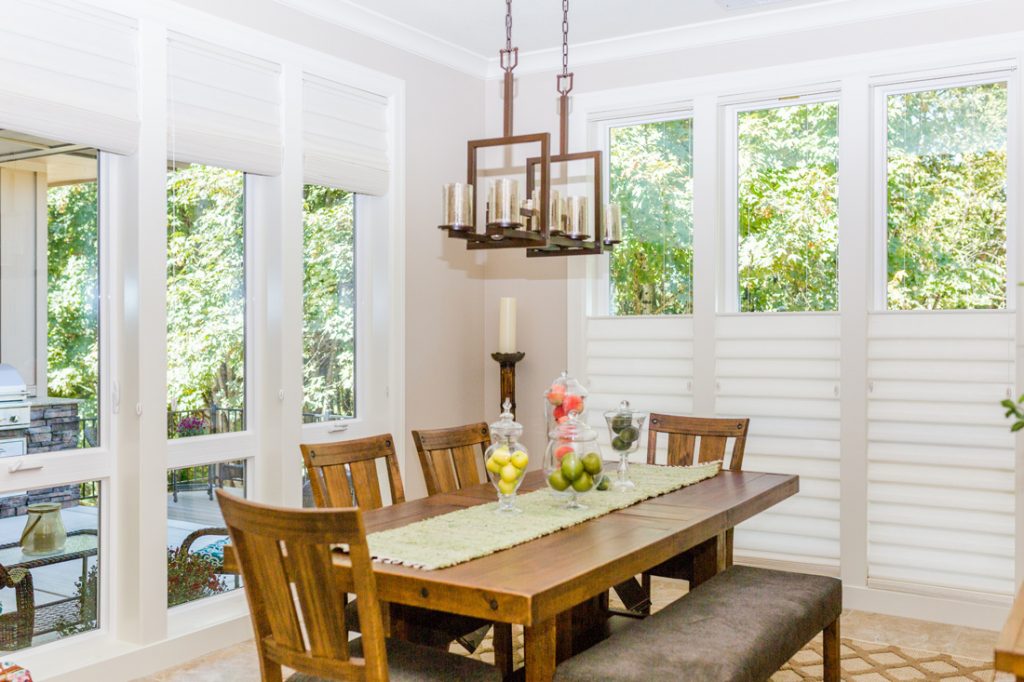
(861,662)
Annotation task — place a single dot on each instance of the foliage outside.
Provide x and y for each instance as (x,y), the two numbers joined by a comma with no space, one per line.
(190,576)
(651,178)
(947,198)
(788,208)
(328,333)
(87,593)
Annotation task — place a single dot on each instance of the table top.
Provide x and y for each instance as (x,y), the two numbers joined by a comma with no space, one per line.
(542,578)
(79,545)
(1009,656)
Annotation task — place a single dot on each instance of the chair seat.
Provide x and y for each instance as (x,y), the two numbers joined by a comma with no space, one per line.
(432,628)
(409,662)
(740,626)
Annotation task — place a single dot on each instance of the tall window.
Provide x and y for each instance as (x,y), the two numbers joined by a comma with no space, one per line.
(787,217)
(946,197)
(329,310)
(205,300)
(651,178)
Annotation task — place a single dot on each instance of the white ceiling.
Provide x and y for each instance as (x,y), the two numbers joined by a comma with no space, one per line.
(466,34)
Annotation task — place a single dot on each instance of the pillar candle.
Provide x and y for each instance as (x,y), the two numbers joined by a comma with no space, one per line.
(507,326)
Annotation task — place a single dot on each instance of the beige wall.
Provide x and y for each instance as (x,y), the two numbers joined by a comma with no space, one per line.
(444,283)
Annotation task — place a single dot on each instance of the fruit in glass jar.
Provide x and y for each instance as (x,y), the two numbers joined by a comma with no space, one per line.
(510,473)
(619,423)
(558,413)
(557,481)
(629,434)
(572,467)
(619,444)
(520,459)
(502,455)
(583,483)
(563,451)
(604,483)
(592,463)
(556,394)
(572,403)
(506,487)
(493,466)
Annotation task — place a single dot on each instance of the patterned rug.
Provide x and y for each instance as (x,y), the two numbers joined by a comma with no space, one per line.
(861,662)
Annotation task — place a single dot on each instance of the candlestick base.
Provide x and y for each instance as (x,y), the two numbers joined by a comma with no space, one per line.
(507,362)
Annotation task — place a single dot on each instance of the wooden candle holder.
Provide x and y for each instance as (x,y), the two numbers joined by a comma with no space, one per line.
(507,362)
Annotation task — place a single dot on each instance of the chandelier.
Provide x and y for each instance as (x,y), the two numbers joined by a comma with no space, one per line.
(567,219)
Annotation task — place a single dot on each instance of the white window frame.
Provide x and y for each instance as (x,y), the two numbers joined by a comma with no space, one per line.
(729,301)
(964,76)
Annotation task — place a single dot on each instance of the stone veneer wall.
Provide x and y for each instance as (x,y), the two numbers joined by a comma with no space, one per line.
(54,426)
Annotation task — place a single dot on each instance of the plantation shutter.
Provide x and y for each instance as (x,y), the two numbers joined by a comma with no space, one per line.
(68,72)
(224,107)
(345,132)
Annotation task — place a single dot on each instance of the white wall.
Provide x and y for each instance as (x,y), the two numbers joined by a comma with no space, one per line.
(444,322)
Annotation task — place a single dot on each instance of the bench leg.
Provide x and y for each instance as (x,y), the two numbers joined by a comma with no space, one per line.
(831,652)
(503,650)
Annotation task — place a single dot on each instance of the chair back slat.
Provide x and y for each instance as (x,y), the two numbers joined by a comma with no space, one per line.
(285,556)
(452,458)
(692,440)
(332,466)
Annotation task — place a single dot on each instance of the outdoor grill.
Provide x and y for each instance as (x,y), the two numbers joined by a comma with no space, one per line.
(15,412)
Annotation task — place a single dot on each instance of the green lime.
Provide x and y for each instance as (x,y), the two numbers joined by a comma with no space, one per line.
(619,444)
(629,434)
(619,423)
(583,483)
(604,483)
(572,467)
(592,463)
(557,481)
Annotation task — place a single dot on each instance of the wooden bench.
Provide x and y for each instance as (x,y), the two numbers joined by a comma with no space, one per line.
(740,626)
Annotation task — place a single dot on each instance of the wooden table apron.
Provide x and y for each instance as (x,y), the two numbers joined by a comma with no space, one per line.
(532,583)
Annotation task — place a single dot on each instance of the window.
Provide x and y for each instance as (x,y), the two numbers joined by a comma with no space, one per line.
(195,530)
(651,177)
(946,175)
(206,345)
(329,310)
(787,207)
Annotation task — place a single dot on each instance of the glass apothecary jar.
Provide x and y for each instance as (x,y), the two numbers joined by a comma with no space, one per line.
(565,395)
(506,459)
(573,460)
(624,427)
(44,531)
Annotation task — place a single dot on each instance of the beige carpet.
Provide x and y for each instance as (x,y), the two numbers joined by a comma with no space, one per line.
(861,662)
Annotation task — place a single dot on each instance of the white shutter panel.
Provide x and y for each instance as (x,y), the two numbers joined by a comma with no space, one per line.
(224,107)
(346,137)
(782,371)
(940,453)
(68,72)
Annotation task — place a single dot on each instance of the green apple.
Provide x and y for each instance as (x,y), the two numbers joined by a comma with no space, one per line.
(506,487)
(557,481)
(592,463)
(510,473)
(520,459)
(493,466)
(572,467)
(583,483)
(502,455)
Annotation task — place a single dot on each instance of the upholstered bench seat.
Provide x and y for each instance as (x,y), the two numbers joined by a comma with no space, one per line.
(414,663)
(740,626)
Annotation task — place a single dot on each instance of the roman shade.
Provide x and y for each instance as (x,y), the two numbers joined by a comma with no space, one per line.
(224,107)
(69,72)
(345,132)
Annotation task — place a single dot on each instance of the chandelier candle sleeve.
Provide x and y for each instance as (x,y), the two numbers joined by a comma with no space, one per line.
(612,224)
(577,223)
(458,205)
(504,208)
(507,326)
(557,222)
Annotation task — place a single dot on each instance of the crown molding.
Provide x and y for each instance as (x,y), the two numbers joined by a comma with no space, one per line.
(746,26)
(395,33)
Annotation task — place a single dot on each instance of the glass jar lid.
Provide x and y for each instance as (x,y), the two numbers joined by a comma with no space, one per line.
(563,386)
(573,430)
(506,428)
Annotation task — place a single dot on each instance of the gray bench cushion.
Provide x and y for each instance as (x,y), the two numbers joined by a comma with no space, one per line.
(413,663)
(740,626)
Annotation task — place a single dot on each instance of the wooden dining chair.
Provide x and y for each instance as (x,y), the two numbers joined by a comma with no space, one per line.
(690,440)
(452,459)
(286,556)
(344,474)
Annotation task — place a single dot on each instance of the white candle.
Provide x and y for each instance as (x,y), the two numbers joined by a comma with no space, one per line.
(507,326)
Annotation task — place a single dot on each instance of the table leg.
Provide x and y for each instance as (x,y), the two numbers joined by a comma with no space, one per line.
(709,558)
(503,646)
(540,651)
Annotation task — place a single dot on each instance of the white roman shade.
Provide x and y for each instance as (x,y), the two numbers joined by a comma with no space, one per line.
(345,132)
(69,72)
(224,107)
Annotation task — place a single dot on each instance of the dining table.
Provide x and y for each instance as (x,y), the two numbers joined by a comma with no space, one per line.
(554,585)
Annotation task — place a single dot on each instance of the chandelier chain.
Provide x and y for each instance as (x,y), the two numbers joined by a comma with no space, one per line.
(508,24)
(565,37)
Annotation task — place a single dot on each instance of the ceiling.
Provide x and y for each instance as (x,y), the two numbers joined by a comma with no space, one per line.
(466,34)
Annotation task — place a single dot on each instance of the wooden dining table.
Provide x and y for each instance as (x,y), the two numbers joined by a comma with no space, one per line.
(547,584)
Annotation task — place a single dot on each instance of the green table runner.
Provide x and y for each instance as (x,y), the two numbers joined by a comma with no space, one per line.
(471,533)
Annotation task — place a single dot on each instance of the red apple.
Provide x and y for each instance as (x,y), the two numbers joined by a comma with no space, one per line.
(558,413)
(562,452)
(572,403)
(556,394)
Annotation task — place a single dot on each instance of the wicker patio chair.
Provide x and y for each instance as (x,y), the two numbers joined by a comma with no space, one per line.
(16,628)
